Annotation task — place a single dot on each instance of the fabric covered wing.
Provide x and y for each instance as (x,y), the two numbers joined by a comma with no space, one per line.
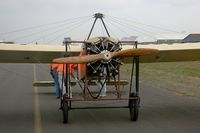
(17,53)
(170,53)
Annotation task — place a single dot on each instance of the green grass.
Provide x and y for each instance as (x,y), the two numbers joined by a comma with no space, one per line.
(180,77)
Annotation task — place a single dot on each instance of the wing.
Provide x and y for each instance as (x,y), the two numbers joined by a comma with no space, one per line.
(18,53)
(170,52)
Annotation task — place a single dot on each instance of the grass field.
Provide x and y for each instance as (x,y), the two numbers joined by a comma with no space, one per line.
(181,77)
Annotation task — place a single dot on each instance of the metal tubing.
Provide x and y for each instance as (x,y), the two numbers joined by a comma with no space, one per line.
(137,76)
(132,71)
(130,42)
(100,16)
(85,92)
(66,76)
(118,83)
(98,107)
(100,99)
(133,64)
(92,28)
(75,42)
(105,27)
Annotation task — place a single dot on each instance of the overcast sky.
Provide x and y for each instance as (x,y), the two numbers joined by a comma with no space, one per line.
(177,15)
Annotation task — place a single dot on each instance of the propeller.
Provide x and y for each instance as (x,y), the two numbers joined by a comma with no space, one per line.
(105,55)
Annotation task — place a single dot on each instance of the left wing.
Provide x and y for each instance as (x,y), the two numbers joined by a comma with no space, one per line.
(19,53)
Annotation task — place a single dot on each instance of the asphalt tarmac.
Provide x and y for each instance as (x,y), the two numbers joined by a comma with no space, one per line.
(27,109)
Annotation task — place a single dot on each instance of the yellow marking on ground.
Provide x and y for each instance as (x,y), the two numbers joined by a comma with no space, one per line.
(37,116)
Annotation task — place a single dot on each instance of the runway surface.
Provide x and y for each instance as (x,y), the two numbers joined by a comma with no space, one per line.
(26,109)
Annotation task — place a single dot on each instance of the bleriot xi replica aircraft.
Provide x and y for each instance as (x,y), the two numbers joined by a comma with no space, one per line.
(99,60)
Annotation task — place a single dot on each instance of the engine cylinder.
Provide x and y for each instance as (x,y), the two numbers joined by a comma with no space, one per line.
(100,45)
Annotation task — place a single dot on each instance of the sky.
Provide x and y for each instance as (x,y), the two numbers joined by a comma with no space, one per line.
(172,15)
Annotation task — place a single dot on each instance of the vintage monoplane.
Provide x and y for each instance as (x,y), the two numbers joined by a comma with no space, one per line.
(99,65)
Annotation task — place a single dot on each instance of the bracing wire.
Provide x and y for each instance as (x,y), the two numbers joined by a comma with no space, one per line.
(42,25)
(142,30)
(118,28)
(69,28)
(134,28)
(46,29)
(110,30)
(147,25)
(118,22)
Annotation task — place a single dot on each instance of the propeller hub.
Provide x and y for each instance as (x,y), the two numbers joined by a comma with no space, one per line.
(107,55)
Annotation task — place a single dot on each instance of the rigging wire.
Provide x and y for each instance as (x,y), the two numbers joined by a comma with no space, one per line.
(37,60)
(144,31)
(147,25)
(71,28)
(135,29)
(42,25)
(44,30)
(113,34)
(109,29)
(118,28)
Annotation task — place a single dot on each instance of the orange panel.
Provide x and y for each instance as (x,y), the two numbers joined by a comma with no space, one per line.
(81,67)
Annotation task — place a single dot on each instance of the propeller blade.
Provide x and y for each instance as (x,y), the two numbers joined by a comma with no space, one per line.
(134,52)
(79,59)
(105,56)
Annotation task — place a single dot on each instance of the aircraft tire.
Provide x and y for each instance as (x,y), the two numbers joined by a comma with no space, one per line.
(65,111)
(134,107)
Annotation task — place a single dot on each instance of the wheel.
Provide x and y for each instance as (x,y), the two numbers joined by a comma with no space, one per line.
(134,107)
(65,110)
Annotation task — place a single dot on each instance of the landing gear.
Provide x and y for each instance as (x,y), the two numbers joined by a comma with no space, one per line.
(96,70)
(65,109)
(134,107)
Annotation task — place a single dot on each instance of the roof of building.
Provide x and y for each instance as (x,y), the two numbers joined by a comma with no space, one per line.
(170,36)
(194,35)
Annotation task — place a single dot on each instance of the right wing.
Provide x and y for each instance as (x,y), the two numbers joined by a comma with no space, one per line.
(169,52)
